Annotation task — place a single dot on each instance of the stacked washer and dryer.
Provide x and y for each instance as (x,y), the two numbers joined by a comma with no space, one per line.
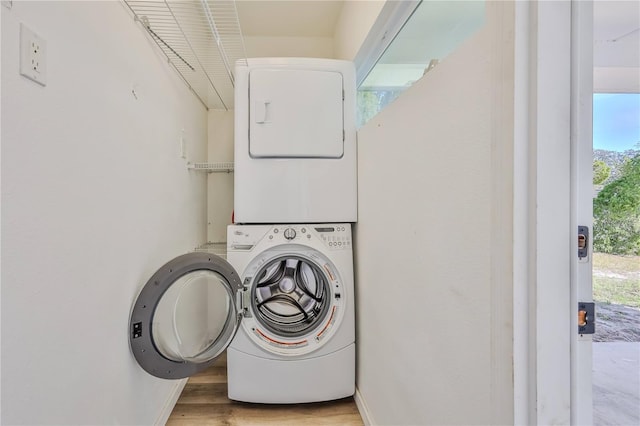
(294,201)
(282,304)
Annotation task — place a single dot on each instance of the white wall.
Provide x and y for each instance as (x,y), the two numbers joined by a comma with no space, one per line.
(355,22)
(219,185)
(273,46)
(434,241)
(616,80)
(353,25)
(94,199)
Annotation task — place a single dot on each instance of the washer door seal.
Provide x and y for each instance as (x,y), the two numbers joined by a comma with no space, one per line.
(185,316)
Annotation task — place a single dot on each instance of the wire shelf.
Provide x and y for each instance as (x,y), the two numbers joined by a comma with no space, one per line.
(201,39)
(212,167)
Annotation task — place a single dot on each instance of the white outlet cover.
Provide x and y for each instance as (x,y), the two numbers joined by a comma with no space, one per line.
(33,56)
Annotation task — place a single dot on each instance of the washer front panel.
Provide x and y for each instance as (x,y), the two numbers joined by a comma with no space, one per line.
(284,316)
(170,336)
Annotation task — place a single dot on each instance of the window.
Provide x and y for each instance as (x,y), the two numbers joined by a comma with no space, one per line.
(433,31)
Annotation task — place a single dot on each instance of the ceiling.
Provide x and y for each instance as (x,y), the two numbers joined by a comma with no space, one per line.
(301,18)
(616,32)
(271,24)
(616,25)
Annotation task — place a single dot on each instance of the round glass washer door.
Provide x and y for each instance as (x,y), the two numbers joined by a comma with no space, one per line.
(185,316)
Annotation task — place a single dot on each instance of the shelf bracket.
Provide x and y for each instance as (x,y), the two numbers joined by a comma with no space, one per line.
(211,167)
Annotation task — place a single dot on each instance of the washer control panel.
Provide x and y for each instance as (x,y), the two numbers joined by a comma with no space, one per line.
(334,236)
(289,233)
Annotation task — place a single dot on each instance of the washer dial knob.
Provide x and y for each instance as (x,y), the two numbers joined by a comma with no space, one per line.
(289,233)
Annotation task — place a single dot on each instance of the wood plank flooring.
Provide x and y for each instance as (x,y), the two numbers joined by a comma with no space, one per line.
(204,402)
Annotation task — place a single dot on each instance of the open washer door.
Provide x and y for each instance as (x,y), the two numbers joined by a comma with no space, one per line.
(185,316)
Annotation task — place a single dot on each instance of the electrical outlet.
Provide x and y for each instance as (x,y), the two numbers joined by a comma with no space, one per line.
(33,56)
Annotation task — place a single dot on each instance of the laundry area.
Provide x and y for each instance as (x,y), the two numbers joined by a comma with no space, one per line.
(282,303)
(301,202)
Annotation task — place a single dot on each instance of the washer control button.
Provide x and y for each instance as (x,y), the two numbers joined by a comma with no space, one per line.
(289,233)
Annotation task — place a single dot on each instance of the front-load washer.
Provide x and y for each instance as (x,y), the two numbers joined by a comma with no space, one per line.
(297,339)
(295,141)
(283,305)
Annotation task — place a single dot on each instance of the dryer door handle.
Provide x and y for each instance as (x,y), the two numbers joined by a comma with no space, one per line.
(262,111)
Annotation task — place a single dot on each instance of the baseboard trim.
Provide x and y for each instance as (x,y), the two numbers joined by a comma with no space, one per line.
(171,402)
(362,408)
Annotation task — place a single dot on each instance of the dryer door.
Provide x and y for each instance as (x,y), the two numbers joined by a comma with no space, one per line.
(296,113)
(185,316)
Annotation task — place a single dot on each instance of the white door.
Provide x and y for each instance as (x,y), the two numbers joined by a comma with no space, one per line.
(582,310)
(185,316)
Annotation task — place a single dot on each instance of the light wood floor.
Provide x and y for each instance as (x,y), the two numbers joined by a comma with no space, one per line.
(204,402)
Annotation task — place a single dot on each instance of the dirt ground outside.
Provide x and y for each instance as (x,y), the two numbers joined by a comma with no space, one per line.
(616,291)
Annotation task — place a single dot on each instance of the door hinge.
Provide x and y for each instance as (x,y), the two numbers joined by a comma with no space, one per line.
(583,242)
(245,298)
(586,318)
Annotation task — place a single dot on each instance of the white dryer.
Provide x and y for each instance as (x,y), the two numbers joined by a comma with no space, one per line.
(295,141)
(283,306)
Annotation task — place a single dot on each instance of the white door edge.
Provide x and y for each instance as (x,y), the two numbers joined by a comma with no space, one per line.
(523,381)
(542,209)
(581,204)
